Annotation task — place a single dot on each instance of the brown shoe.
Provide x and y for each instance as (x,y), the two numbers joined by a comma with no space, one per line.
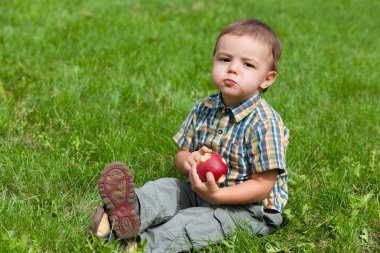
(117,191)
(100,226)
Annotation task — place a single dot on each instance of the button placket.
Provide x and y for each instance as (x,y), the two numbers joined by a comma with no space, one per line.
(225,122)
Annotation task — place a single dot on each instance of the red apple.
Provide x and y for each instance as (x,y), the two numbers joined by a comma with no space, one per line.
(213,163)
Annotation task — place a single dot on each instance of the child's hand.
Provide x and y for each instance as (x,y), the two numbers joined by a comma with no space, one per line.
(207,190)
(195,157)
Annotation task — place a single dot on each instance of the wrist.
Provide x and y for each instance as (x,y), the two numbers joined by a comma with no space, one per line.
(217,197)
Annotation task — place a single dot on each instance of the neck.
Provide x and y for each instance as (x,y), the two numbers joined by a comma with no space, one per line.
(232,101)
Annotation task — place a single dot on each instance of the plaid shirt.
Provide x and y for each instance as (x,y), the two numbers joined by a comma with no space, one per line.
(250,136)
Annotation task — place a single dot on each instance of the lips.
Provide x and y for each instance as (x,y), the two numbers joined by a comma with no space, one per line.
(229,82)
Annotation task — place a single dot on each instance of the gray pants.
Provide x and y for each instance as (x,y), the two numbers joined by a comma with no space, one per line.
(175,219)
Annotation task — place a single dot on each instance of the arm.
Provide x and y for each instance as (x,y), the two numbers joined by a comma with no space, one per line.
(255,189)
(185,159)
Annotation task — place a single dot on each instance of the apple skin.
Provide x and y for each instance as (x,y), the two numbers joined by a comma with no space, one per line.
(213,163)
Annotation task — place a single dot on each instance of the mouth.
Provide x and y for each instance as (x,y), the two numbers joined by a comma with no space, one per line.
(229,82)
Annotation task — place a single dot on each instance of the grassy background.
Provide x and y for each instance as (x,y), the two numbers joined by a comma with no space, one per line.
(84,83)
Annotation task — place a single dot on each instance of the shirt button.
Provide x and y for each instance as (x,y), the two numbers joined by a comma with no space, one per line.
(220,131)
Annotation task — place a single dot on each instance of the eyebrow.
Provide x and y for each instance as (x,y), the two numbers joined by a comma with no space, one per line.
(243,58)
(222,53)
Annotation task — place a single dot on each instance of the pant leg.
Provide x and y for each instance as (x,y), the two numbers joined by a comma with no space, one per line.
(197,227)
(160,200)
(175,234)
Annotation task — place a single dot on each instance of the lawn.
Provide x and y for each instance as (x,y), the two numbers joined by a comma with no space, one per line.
(84,83)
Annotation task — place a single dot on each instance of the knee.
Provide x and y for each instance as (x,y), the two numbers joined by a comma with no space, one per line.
(170,182)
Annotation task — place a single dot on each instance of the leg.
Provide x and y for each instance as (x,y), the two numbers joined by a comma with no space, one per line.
(197,227)
(156,201)
(191,228)
(160,200)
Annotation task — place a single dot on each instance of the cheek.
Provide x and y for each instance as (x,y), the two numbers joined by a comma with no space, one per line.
(216,75)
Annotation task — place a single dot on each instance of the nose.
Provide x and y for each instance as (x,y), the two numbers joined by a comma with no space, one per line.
(233,67)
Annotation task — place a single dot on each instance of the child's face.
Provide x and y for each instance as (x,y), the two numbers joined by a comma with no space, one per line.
(241,68)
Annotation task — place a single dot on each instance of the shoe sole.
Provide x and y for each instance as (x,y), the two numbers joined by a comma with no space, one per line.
(117,191)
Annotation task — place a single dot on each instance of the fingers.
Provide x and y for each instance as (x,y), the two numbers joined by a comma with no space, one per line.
(187,166)
(191,177)
(196,156)
(194,178)
(190,163)
(194,175)
(210,178)
(206,190)
(211,184)
(203,150)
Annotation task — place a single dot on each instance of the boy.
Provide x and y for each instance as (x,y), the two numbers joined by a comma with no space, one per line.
(237,123)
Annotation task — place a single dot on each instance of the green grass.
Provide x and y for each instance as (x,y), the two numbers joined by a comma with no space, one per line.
(85,83)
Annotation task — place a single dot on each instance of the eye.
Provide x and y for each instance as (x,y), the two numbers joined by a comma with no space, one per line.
(223,59)
(249,65)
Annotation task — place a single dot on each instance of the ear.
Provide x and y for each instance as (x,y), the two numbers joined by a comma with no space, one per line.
(269,79)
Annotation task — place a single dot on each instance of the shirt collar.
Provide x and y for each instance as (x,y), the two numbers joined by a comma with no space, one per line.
(239,111)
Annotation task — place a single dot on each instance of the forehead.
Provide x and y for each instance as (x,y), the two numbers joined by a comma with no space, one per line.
(244,45)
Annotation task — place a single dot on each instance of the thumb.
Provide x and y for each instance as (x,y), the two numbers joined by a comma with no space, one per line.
(204,150)
(210,179)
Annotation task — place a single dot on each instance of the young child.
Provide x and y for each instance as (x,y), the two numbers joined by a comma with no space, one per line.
(237,123)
